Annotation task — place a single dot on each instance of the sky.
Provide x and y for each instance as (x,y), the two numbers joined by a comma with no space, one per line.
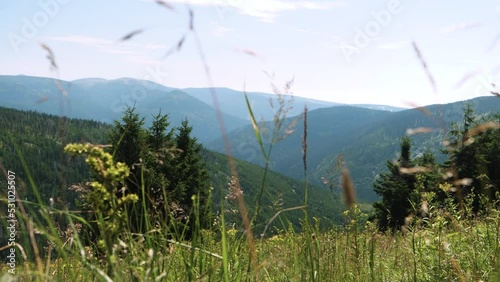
(395,52)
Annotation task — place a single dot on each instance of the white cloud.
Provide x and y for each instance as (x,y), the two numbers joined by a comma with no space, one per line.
(265,10)
(143,60)
(460,26)
(83,40)
(110,46)
(222,30)
(394,45)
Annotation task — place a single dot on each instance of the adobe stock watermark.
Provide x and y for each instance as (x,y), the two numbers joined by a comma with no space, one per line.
(31,26)
(372,29)
(11,221)
(222,7)
(247,151)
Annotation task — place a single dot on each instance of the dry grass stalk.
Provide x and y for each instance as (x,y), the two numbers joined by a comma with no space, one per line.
(496,93)
(304,142)
(53,65)
(424,65)
(348,186)
(412,131)
(177,47)
(413,170)
(463,182)
(131,34)
(232,165)
(467,77)
(484,127)
(50,56)
(164,4)
(64,93)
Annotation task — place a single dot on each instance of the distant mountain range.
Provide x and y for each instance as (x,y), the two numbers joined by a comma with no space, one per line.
(103,100)
(233,102)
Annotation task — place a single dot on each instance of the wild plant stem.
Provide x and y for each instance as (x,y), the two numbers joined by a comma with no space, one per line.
(263,182)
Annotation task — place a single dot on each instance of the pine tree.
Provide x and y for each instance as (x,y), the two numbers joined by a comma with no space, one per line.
(190,184)
(466,159)
(167,172)
(159,164)
(475,158)
(128,140)
(490,148)
(397,191)
(429,180)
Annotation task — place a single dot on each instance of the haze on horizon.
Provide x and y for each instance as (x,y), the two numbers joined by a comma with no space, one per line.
(340,51)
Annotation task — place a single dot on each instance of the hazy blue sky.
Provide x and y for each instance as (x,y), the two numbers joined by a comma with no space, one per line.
(343,51)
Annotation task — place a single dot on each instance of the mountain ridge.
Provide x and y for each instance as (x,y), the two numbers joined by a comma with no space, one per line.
(105,101)
(364,138)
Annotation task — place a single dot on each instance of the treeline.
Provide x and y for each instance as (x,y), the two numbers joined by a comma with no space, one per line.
(468,181)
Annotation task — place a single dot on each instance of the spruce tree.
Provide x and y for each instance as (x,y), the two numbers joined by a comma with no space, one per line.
(167,172)
(190,178)
(474,157)
(159,164)
(491,151)
(396,190)
(128,140)
(464,157)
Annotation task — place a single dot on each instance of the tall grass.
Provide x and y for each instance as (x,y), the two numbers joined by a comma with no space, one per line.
(456,251)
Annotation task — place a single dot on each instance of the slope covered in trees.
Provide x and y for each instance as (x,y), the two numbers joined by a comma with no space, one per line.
(39,139)
(468,180)
(364,138)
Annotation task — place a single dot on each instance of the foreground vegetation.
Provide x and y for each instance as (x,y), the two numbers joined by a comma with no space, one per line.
(447,249)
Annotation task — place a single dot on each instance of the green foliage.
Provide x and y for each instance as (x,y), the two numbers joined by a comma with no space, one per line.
(444,250)
(396,189)
(190,177)
(168,173)
(473,153)
(281,193)
(102,197)
(473,164)
(41,139)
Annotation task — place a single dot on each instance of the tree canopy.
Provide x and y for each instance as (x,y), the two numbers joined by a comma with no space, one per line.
(167,171)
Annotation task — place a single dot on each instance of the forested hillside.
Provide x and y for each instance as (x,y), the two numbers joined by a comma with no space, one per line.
(39,139)
(362,138)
